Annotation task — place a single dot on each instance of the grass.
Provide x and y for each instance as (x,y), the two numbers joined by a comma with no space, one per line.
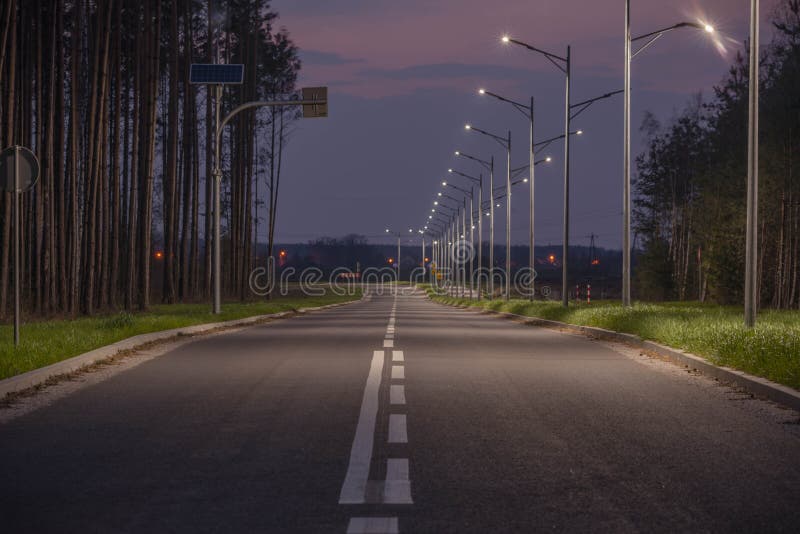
(770,350)
(46,342)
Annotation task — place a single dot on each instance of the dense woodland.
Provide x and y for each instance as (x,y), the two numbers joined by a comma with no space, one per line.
(99,90)
(692,185)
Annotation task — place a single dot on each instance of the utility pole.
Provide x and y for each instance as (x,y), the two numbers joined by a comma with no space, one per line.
(751,292)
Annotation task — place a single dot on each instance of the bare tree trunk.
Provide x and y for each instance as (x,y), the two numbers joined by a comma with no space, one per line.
(9,140)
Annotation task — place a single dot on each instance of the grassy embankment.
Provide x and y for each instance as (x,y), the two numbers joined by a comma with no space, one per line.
(46,342)
(770,350)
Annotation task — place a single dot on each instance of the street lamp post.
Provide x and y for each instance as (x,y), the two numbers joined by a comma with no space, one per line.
(564,64)
(453,213)
(489,166)
(626,187)
(467,193)
(751,292)
(479,181)
(528,111)
(505,143)
(399,236)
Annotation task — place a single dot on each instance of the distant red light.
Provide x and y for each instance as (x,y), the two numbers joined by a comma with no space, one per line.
(159,255)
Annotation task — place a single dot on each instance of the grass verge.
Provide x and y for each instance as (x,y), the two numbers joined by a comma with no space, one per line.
(46,342)
(770,350)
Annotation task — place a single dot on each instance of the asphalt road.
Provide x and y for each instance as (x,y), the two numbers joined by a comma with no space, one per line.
(398,414)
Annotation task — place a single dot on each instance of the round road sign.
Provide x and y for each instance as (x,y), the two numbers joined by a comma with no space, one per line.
(19,169)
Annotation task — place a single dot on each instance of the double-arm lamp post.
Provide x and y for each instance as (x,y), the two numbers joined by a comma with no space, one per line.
(528,112)
(505,142)
(449,239)
(489,166)
(649,39)
(479,181)
(468,254)
(399,236)
(564,64)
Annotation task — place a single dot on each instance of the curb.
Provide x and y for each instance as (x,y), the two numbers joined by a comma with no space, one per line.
(753,384)
(40,376)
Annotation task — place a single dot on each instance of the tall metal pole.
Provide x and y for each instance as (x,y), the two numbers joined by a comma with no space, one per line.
(453,251)
(450,253)
(17,207)
(471,240)
(463,245)
(491,228)
(217,203)
(565,253)
(626,185)
(751,292)
(398,258)
(480,233)
(423,257)
(531,165)
(508,217)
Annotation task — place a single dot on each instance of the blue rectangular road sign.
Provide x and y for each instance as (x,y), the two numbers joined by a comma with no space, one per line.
(211,73)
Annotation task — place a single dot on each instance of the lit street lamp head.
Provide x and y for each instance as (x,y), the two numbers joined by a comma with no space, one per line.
(548,159)
(505,38)
(481,91)
(457,154)
(467,127)
(444,184)
(579,132)
(439,194)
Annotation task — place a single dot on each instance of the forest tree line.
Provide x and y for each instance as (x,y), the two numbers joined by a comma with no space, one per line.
(99,90)
(692,182)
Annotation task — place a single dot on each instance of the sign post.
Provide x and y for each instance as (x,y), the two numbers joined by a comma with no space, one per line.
(314,102)
(19,172)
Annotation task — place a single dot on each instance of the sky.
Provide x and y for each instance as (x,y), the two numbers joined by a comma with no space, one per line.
(403,79)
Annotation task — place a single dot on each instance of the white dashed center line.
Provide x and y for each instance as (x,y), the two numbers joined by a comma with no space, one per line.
(397,489)
(397,428)
(397,485)
(397,394)
(373,525)
(398,372)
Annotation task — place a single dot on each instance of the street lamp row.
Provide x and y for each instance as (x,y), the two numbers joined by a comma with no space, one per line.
(564,64)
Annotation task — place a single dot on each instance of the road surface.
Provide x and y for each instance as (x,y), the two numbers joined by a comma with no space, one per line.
(396,414)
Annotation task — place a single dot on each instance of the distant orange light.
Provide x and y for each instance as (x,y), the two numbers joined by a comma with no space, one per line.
(159,255)
(282,253)
(391,260)
(427,260)
(552,258)
(595,262)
